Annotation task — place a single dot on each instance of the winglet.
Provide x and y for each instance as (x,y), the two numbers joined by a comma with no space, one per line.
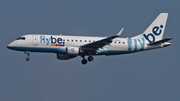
(120,32)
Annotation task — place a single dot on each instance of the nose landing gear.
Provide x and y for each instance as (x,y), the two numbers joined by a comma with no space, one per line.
(28,54)
(27,59)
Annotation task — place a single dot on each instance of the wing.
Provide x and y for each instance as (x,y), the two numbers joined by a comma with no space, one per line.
(100,43)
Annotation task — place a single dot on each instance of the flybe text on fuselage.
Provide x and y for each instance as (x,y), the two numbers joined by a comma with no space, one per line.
(135,44)
(52,41)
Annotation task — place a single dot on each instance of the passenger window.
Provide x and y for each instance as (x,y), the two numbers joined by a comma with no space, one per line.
(85,40)
(67,39)
(72,40)
(80,40)
(76,41)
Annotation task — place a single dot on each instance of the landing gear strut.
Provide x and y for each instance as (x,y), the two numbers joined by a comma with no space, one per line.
(28,54)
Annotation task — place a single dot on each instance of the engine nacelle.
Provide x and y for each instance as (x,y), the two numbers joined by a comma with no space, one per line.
(65,57)
(72,50)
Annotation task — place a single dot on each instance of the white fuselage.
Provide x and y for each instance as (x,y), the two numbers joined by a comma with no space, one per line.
(59,43)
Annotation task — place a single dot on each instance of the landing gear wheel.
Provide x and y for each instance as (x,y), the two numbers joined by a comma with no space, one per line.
(84,61)
(27,59)
(90,58)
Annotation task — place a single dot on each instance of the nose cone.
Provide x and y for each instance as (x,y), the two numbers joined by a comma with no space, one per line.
(10,46)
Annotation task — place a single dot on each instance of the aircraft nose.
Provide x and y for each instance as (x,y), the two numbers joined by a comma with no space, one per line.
(10,45)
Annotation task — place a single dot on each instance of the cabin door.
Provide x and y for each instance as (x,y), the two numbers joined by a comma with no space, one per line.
(35,40)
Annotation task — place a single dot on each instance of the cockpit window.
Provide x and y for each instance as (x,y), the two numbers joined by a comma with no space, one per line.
(21,38)
(18,38)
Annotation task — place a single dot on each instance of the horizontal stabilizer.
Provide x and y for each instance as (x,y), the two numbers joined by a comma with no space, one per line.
(160,41)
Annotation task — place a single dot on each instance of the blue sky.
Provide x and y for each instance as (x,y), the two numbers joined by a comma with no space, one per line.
(146,76)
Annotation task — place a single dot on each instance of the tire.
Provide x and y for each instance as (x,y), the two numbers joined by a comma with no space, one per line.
(90,58)
(28,59)
(84,61)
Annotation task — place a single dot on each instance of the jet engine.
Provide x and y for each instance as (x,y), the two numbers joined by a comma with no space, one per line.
(65,57)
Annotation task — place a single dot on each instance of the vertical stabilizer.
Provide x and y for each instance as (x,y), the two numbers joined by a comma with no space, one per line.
(156,29)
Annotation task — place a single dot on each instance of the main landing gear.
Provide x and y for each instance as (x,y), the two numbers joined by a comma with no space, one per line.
(90,58)
(28,54)
(84,61)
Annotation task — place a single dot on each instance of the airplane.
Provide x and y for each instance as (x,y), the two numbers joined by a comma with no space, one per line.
(68,47)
